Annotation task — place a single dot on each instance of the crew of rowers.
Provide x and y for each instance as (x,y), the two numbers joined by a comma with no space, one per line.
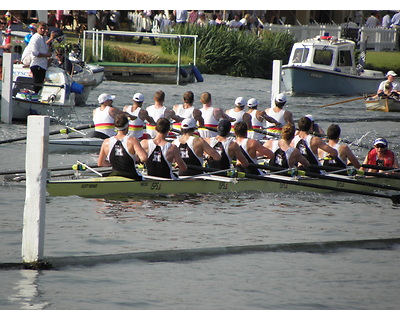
(216,139)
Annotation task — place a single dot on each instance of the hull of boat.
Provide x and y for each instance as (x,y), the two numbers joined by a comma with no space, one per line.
(304,80)
(23,108)
(112,186)
(384,105)
(75,145)
(89,77)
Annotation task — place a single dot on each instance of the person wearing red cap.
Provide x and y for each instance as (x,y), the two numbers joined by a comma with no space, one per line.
(381,155)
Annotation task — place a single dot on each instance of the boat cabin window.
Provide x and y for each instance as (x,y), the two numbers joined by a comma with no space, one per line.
(323,56)
(300,55)
(344,59)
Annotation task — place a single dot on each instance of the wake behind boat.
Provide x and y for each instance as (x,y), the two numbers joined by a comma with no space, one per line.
(326,65)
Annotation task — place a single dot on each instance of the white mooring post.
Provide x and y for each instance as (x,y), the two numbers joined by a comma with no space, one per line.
(35,201)
(276,80)
(6,90)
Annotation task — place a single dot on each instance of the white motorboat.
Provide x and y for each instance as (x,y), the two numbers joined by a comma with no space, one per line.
(326,65)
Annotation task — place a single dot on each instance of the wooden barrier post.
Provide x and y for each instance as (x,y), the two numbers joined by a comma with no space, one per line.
(6,90)
(276,80)
(35,201)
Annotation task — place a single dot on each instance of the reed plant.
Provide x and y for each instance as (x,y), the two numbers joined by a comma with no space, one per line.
(234,53)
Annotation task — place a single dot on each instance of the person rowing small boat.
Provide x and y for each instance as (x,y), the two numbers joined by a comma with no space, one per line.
(345,155)
(161,153)
(120,151)
(287,156)
(192,149)
(251,148)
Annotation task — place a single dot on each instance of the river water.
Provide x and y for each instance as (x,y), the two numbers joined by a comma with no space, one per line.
(346,278)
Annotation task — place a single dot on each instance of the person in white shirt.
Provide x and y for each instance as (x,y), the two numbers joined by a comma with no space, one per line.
(391,77)
(40,54)
(372,21)
(386,20)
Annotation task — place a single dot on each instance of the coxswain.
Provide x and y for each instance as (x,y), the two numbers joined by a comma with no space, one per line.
(192,148)
(309,144)
(120,151)
(136,126)
(211,116)
(381,155)
(103,117)
(285,155)
(345,155)
(238,113)
(187,110)
(280,115)
(157,111)
(251,148)
(226,147)
(161,153)
(257,119)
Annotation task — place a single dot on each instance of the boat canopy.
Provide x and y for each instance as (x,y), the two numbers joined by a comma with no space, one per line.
(325,52)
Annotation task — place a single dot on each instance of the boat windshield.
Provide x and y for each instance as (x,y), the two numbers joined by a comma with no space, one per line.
(344,59)
(323,56)
(300,55)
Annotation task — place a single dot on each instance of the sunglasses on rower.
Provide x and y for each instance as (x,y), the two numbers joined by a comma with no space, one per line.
(380,146)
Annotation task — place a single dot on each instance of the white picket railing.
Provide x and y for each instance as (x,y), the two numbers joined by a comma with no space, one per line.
(378,39)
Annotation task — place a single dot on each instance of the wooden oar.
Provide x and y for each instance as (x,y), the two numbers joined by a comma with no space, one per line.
(335,103)
(65,131)
(395,198)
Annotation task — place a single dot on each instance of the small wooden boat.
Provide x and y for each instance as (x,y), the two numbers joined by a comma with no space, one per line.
(326,65)
(382,104)
(147,73)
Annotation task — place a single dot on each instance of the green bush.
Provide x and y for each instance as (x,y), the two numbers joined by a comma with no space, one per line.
(241,53)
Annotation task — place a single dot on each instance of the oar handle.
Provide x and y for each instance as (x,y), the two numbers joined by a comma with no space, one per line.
(371,166)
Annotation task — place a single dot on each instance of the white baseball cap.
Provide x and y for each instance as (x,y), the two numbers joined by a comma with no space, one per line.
(138,97)
(391,73)
(309,116)
(252,103)
(240,102)
(188,123)
(104,97)
(280,98)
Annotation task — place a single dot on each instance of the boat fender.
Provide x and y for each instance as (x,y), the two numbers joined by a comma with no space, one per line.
(76,88)
(197,74)
(183,72)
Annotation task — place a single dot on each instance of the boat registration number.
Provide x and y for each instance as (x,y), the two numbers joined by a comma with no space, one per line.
(316,75)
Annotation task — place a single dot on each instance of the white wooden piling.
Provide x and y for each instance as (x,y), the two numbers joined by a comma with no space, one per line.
(276,80)
(6,90)
(36,164)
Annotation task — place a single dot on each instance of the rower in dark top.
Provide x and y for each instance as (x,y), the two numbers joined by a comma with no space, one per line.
(120,151)
(162,153)
(226,147)
(192,149)
(251,148)
(309,145)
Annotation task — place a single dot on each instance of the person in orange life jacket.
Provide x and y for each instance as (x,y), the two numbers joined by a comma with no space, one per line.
(193,149)
(287,156)
(104,117)
(136,126)
(277,113)
(251,148)
(239,113)
(161,153)
(226,147)
(345,155)
(381,155)
(187,110)
(308,144)
(120,151)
